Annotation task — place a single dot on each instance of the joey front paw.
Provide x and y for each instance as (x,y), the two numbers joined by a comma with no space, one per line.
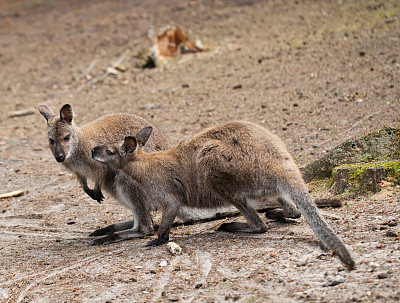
(156,242)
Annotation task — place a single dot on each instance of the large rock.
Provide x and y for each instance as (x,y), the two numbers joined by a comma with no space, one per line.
(383,145)
(359,165)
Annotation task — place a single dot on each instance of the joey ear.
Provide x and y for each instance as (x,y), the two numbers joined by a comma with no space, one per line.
(66,113)
(46,112)
(143,135)
(129,146)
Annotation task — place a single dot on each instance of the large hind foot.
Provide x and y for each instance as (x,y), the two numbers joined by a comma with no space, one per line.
(118,237)
(240,227)
(112,228)
(280,215)
(289,209)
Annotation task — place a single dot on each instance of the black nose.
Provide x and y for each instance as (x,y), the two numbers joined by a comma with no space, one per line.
(95,150)
(60,158)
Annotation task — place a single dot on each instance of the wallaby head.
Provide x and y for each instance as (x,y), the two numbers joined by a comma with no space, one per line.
(115,155)
(60,131)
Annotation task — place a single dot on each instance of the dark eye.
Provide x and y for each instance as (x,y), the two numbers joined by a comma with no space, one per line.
(51,141)
(66,138)
(109,152)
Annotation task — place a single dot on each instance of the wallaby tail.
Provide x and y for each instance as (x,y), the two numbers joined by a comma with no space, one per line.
(318,224)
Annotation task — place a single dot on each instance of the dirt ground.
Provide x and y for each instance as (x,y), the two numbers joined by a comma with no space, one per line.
(314,72)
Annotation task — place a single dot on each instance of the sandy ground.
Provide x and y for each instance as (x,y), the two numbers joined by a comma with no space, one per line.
(314,72)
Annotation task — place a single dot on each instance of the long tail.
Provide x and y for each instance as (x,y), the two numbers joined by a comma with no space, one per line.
(318,224)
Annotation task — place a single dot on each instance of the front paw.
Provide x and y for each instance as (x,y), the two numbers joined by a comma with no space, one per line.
(95,195)
(98,196)
(156,242)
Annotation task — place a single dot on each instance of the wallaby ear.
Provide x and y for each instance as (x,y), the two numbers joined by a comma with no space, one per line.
(129,145)
(143,135)
(46,112)
(66,113)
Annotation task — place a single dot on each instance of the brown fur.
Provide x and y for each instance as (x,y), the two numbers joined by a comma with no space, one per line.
(71,146)
(235,163)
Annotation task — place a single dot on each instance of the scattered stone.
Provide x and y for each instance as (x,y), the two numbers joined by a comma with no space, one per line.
(174,248)
(173,298)
(302,261)
(391,233)
(150,106)
(238,86)
(121,68)
(112,71)
(198,285)
(382,275)
(333,280)
(374,265)
(163,263)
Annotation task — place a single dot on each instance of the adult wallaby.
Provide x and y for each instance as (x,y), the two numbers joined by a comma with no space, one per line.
(236,163)
(71,146)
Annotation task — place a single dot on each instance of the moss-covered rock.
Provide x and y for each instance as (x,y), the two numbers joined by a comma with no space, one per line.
(383,145)
(361,178)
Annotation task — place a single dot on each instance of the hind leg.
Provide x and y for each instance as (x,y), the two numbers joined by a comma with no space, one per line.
(289,209)
(167,220)
(254,223)
(112,228)
(140,226)
(227,187)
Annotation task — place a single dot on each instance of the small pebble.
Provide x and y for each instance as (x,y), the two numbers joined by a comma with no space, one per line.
(173,298)
(198,285)
(391,233)
(333,280)
(374,265)
(174,248)
(163,263)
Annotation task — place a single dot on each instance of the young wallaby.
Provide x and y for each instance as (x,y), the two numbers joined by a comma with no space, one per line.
(236,163)
(71,146)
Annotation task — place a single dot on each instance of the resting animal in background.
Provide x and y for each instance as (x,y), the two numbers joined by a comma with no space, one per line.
(237,163)
(71,146)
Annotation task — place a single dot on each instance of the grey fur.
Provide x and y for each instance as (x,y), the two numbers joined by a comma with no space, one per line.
(71,146)
(231,164)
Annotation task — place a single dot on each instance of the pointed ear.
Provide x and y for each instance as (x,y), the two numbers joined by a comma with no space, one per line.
(129,145)
(143,135)
(66,113)
(46,112)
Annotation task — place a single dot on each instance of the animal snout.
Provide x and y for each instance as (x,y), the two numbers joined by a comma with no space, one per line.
(60,158)
(95,151)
